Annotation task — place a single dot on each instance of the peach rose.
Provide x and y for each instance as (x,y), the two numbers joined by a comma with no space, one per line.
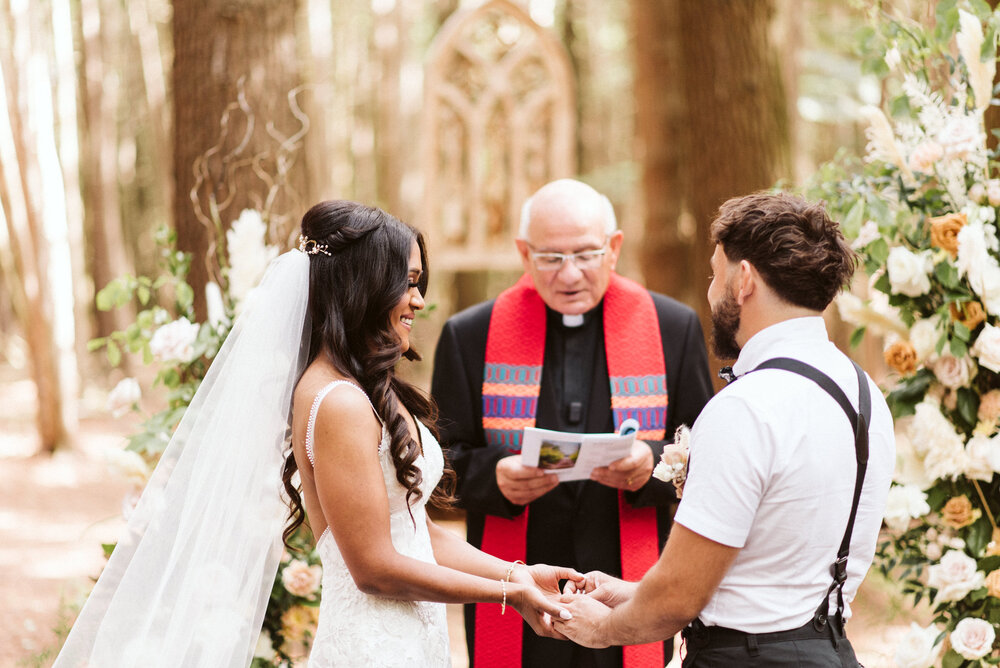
(301,579)
(993,583)
(902,357)
(944,231)
(989,407)
(969,314)
(958,512)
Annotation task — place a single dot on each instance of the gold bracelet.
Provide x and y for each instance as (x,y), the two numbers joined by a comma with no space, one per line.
(503,606)
(510,570)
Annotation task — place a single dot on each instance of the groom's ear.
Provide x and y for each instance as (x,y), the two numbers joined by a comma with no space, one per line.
(746,281)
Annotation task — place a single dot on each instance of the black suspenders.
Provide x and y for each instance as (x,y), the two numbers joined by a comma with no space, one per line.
(860,422)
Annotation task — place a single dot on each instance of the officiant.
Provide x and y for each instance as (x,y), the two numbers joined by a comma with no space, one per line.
(572,346)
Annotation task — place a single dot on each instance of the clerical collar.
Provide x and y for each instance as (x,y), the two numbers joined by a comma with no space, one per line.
(572,320)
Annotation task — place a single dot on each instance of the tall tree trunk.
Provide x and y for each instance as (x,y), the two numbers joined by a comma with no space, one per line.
(98,153)
(712,125)
(36,221)
(234,60)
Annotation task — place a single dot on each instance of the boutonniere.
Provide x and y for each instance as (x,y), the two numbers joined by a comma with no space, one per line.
(672,466)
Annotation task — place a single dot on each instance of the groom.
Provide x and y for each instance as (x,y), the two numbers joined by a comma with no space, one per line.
(763,560)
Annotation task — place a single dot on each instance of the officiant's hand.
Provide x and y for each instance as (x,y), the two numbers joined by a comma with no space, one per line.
(628,473)
(522,484)
(599,585)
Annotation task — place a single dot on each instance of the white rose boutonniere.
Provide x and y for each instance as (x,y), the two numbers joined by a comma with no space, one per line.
(672,466)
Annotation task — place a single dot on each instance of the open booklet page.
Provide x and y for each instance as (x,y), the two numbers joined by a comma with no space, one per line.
(573,456)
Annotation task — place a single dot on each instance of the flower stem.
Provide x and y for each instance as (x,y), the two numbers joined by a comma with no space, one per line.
(986,506)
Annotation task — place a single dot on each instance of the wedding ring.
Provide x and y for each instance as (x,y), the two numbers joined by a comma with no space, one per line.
(628,482)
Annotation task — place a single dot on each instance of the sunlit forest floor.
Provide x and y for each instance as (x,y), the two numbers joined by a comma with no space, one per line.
(56,511)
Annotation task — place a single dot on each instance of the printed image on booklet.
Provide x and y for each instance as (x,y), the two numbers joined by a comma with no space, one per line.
(573,456)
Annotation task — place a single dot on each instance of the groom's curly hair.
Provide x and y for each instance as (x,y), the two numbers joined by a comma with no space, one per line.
(798,250)
(352,294)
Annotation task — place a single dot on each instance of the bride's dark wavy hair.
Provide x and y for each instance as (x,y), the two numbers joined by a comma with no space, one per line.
(352,293)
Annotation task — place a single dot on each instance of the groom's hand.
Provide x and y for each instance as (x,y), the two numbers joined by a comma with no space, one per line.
(602,587)
(522,484)
(586,620)
(538,610)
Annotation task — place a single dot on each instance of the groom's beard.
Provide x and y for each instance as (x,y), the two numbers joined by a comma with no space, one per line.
(725,323)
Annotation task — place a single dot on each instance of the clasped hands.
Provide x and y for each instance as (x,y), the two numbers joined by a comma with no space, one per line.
(522,484)
(586,600)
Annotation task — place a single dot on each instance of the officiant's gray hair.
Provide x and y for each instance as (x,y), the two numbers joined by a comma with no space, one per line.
(584,191)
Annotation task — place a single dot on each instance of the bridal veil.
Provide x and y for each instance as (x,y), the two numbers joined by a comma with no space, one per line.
(189,581)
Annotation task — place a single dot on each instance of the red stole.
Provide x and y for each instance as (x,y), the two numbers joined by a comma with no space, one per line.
(515,347)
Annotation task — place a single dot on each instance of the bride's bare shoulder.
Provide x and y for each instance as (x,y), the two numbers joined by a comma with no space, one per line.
(345,401)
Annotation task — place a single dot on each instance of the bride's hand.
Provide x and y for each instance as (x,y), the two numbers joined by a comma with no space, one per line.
(546,577)
(537,609)
(607,589)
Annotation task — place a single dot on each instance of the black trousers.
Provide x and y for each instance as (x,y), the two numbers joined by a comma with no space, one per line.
(808,646)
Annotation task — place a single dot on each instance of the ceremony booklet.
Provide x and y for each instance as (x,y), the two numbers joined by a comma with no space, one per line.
(573,456)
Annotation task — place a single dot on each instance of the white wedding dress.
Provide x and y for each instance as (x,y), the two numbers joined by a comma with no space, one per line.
(357,629)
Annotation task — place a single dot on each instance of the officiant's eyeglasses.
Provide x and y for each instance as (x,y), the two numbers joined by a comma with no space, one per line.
(589,259)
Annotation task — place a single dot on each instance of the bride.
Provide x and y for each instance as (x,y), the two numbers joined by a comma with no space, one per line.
(189,583)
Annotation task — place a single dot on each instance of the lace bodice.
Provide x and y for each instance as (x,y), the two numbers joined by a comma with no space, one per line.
(357,629)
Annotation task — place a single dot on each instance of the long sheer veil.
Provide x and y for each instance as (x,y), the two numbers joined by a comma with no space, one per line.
(189,582)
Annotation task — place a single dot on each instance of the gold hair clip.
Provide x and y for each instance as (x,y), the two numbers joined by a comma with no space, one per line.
(311,246)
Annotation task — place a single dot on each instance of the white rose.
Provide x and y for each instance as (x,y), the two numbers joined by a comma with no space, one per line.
(973,638)
(924,156)
(174,341)
(908,272)
(983,457)
(993,192)
(301,579)
(214,305)
(905,502)
(129,464)
(924,337)
(954,576)
(867,234)
(954,372)
(961,137)
(265,648)
(917,648)
(249,254)
(124,396)
(977,192)
(987,348)
(975,241)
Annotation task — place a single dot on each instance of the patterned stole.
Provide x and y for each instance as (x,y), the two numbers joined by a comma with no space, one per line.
(515,346)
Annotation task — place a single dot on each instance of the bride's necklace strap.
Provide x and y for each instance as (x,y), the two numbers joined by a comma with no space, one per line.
(311,428)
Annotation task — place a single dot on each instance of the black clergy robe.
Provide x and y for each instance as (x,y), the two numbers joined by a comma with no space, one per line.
(575,524)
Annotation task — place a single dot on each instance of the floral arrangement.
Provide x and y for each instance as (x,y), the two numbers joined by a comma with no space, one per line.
(922,212)
(183,348)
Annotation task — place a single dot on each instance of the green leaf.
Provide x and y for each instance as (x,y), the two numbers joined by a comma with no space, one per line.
(185,296)
(143,293)
(95,344)
(882,282)
(852,221)
(958,348)
(952,659)
(962,332)
(968,405)
(856,336)
(114,353)
(947,274)
(878,251)
(978,535)
(108,549)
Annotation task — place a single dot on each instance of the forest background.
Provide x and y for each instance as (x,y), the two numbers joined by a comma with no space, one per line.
(115,111)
